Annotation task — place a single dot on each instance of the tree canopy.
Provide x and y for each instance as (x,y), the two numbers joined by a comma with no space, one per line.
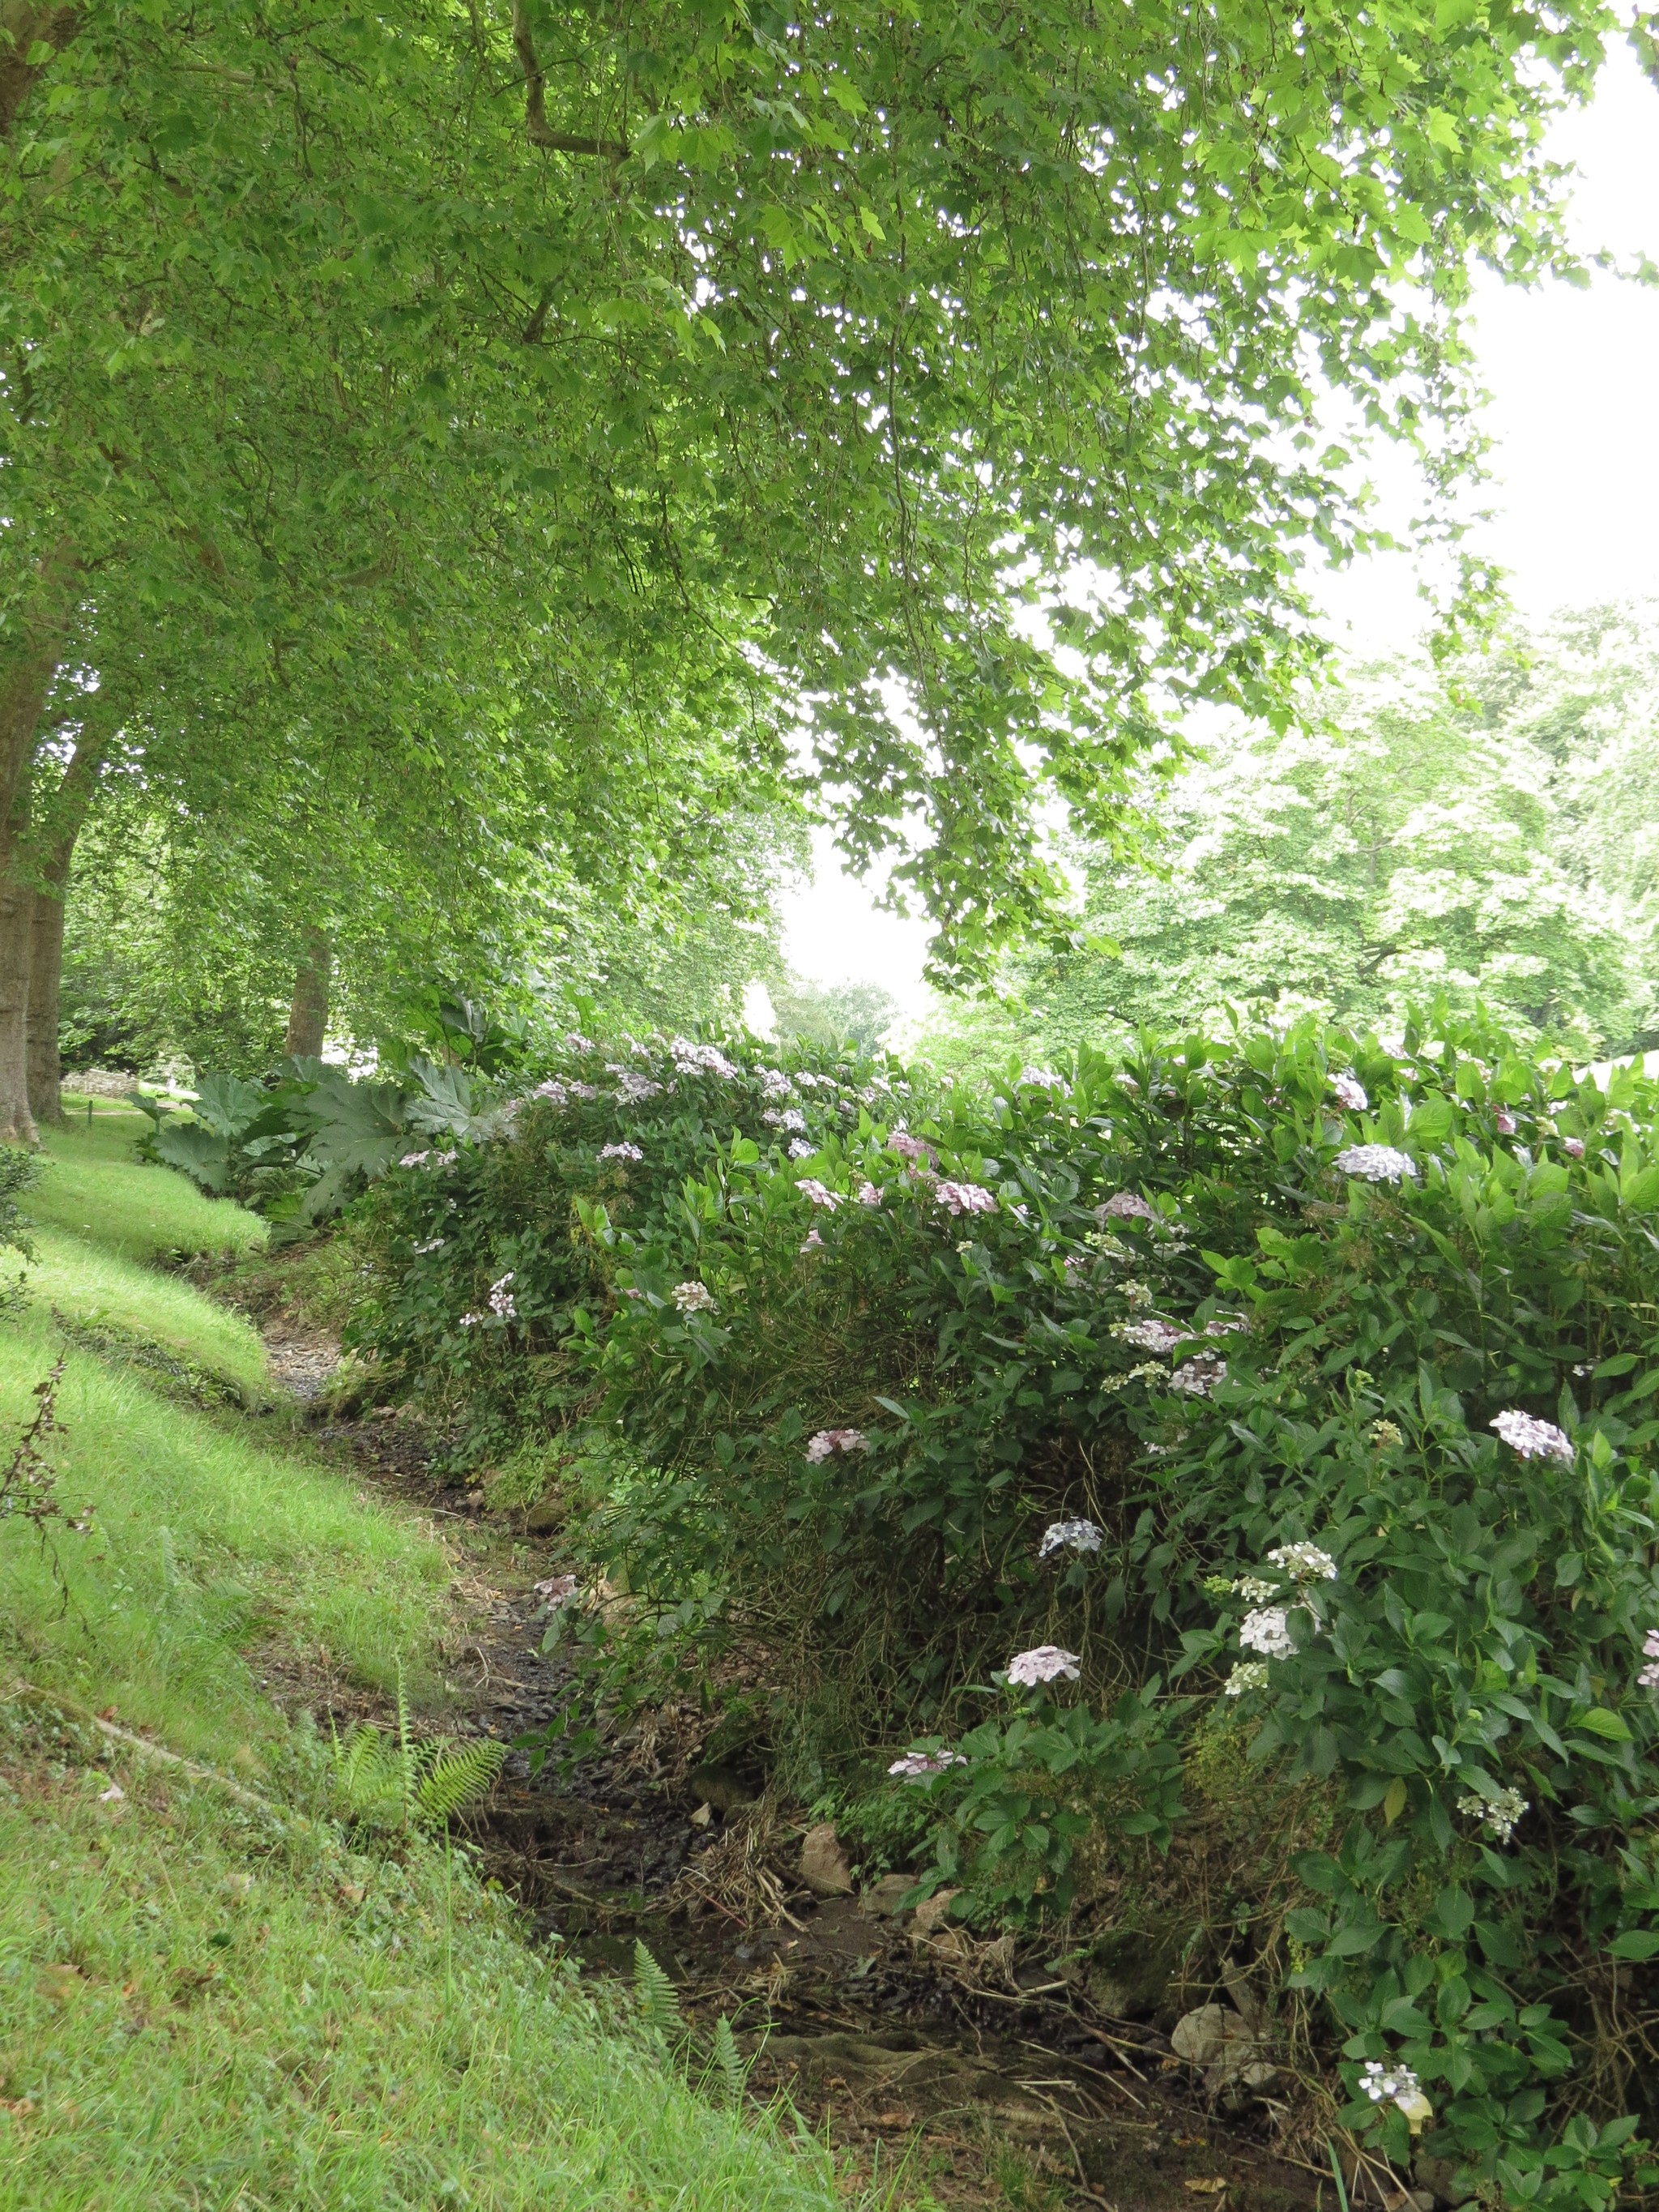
(441,387)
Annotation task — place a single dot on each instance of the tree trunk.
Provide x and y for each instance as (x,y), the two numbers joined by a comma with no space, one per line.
(307,1013)
(26,680)
(16,947)
(68,812)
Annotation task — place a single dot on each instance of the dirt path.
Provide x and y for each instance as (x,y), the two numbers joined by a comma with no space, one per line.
(977,2064)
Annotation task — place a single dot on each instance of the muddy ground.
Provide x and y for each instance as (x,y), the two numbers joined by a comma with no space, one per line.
(979,2070)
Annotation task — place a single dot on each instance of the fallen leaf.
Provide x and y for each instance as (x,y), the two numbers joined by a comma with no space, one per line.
(1204,2186)
(892,2119)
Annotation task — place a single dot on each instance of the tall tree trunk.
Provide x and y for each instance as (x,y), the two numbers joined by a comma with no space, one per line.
(17,947)
(68,812)
(46,1068)
(307,1013)
(26,680)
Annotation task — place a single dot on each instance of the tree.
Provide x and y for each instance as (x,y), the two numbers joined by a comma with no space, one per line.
(1426,842)
(816,353)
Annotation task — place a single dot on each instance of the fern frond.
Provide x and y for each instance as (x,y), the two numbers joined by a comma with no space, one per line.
(659,2008)
(728,2063)
(455,1779)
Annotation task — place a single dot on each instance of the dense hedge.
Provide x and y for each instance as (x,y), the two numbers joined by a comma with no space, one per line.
(1178,1382)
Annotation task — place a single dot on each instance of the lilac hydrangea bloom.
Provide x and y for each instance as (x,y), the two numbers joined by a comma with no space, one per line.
(1069,1536)
(1047,1663)
(1349,1092)
(1533,1438)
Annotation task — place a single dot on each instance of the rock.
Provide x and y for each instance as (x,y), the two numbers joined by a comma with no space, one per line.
(885,1898)
(1441,2178)
(1224,2045)
(722,1786)
(547,1516)
(1128,1975)
(932,1912)
(824,1866)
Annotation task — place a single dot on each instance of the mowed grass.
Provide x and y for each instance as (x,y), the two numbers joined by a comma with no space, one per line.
(198,2013)
(213,1538)
(91,1187)
(210,2007)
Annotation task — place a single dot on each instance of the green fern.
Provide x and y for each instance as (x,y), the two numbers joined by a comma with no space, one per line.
(659,2008)
(403,1781)
(728,2063)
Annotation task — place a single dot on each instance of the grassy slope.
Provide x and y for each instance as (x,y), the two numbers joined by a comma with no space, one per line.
(196,2008)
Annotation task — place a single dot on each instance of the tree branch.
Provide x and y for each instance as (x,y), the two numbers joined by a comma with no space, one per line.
(25,25)
(536,128)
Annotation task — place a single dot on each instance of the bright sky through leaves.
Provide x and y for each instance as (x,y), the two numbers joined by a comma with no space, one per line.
(1575,480)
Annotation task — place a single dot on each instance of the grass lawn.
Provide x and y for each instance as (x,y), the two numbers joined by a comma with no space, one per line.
(203,2006)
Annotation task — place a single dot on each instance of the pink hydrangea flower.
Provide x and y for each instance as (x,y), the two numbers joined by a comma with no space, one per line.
(1573,1147)
(965,1198)
(1504,1122)
(1349,1092)
(558,1591)
(817,1193)
(1127,1205)
(835,1440)
(918,1765)
(908,1147)
(868,1195)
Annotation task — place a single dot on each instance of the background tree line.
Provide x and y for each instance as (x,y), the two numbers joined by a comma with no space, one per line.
(1483,833)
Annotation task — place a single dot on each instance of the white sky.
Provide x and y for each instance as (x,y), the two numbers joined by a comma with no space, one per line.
(1574,494)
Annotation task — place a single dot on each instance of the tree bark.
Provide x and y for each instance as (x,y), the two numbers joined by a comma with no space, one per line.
(68,812)
(307,1013)
(17,947)
(26,680)
(28,26)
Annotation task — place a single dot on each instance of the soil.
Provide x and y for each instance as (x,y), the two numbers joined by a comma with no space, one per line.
(976,2070)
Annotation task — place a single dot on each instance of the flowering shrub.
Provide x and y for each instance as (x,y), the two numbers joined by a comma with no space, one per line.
(1396,1540)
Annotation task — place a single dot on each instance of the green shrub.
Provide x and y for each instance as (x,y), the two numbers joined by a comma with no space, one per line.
(1184,1374)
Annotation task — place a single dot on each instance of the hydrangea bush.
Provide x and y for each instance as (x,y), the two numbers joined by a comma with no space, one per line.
(1299,1385)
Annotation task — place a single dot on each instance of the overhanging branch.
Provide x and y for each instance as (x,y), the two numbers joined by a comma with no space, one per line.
(536,128)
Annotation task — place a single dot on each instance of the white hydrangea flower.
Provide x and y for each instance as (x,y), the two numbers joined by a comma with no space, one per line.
(1389,2084)
(500,1298)
(1303,1563)
(1147,1335)
(1247,1675)
(1256,1589)
(801,1149)
(1498,1815)
(1047,1663)
(1533,1438)
(1069,1536)
(623,1151)
(694,1298)
(1199,1377)
(1376,1164)
(1267,1632)
(918,1765)
(1040,1079)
